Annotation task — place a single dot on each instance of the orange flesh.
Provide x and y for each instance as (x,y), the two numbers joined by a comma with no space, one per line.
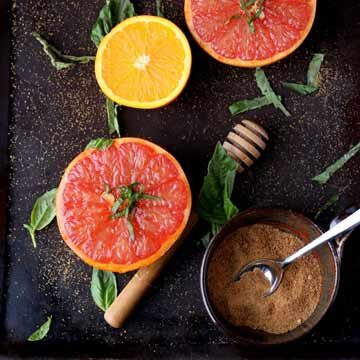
(221,28)
(84,215)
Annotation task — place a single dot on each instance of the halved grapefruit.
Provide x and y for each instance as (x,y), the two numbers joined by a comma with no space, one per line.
(249,33)
(123,207)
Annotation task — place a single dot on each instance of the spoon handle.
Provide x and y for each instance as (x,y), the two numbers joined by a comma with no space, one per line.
(345,225)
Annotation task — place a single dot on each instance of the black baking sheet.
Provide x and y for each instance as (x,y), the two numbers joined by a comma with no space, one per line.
(53,115)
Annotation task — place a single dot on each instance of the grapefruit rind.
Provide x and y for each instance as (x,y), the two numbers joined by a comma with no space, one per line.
(139,104)
(114,267)
(246,63)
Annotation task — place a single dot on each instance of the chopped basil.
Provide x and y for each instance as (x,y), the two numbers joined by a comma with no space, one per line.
(215,205)
(113,123)
(42,331)
(103,288)
(330,202)
(248,104)
(160,11)
(300,88)
(42,214)
(59,60)
(312,77)
(113,12)
(329,171)
(314,69)
(100,143)
(265,87)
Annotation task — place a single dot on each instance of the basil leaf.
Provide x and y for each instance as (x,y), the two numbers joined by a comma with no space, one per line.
(266,90)
(329,171)
(301,89)
(59,60)
(113,12)
(205,239)
(160,9)
(42,213)
(331,201)
(113,123)
(314,69)
(100,143)
(248,104)
(103,288)
(42,331)
(215,205)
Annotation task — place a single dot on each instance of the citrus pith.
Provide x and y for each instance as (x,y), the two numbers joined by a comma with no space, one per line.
(91,185)
(144,62)
(224,30)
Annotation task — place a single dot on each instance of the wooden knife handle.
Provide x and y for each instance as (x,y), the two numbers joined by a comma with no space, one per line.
(129,297)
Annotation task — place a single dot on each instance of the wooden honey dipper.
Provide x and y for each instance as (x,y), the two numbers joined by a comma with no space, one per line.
(244,144)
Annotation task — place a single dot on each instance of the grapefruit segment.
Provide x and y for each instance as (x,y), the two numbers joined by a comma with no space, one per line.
(157,208)
(226,32)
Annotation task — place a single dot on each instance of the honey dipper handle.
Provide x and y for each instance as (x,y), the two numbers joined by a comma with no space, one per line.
(132,293)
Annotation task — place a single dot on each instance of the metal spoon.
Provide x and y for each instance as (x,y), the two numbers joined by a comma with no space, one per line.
(273,270)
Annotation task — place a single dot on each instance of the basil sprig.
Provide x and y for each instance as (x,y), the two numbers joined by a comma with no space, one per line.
(42,331)
(241,106)
(215,205)
(103,288)
(338,164)
(42,214)
(100,143)
(113,12)
(58,60)
(312,84)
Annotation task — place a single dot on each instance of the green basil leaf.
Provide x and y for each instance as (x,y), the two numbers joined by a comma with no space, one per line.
(314,69)
(42,213)
(59,60)
(330,202)
(248,104)
(205,239)
(301,89)
(103,288)
(215,205)
(113,12)
(100,143)
(338,164)
(42,331)
(160,9)
(266,90)
(112,116)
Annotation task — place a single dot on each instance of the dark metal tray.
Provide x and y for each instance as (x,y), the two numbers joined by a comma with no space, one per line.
(52,116)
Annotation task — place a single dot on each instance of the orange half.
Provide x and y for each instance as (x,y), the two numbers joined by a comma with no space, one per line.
(84,211)
(144,62)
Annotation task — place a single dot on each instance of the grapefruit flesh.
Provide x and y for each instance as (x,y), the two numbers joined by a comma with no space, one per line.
(221,28)
(85,214)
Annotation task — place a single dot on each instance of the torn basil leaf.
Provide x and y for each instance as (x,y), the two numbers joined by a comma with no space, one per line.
(266,90)
(100,143)
(215,205)
(42,331)
(314,69)
(59,60)
(42,213)
(330,202)
(301,89)
(112,116)
(160,10)
(329,171)
(113,12)
(103,288)
(241,106)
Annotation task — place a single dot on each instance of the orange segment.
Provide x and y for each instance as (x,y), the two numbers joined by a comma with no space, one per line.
(84,214)
(144,62)
(221,28)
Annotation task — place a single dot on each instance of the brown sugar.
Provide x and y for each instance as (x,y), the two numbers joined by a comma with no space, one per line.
(242,303)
